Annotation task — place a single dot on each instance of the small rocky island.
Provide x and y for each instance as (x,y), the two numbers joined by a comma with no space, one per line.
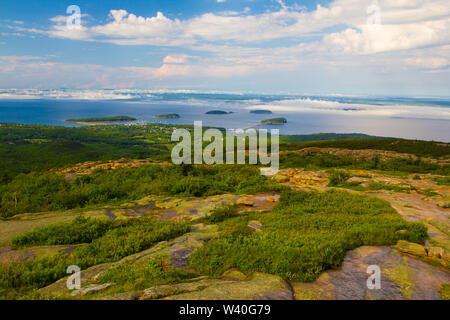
(102,120)
(261,111)
(218,112)
(274,121)
(168,116)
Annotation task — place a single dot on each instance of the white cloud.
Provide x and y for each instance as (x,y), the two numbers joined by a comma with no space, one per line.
(332,39)
(178,59)
(405,25)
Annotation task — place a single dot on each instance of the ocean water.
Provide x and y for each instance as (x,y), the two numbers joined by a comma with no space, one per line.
(420,118)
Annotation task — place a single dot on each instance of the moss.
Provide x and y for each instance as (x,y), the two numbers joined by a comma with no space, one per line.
(400,275)
(444,290)
(321,289)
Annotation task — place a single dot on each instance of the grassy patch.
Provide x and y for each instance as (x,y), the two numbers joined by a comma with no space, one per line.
(222,213)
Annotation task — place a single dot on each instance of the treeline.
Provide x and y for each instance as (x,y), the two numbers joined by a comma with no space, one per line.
(326,161)
(37,192)
(26,148)
(415,147)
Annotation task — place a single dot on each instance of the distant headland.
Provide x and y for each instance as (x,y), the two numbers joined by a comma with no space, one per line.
(261,111)
(168,116)
(102,120)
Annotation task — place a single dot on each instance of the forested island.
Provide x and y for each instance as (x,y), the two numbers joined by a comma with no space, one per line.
(274,121)
(168,116)
(261,111)
(98,120)
(218,112)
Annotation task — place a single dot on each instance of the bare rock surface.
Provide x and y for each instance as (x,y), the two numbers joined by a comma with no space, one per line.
(92,288)
(402,278)
(260,286)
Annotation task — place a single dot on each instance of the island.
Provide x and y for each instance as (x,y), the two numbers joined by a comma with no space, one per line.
(102,120)
(168,116)
(261,111)
(274,121)
(218,112)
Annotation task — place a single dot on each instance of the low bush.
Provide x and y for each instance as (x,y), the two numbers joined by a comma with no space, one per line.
(222,213)
(304,235)
(337,177)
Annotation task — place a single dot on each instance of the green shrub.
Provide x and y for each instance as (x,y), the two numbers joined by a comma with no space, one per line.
(337,177)
(222,213)
(304,235)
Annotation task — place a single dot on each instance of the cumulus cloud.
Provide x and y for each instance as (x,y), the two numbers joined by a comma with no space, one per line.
(176,59)
(404,25)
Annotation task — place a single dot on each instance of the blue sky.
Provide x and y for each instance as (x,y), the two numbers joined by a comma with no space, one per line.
(375,47)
